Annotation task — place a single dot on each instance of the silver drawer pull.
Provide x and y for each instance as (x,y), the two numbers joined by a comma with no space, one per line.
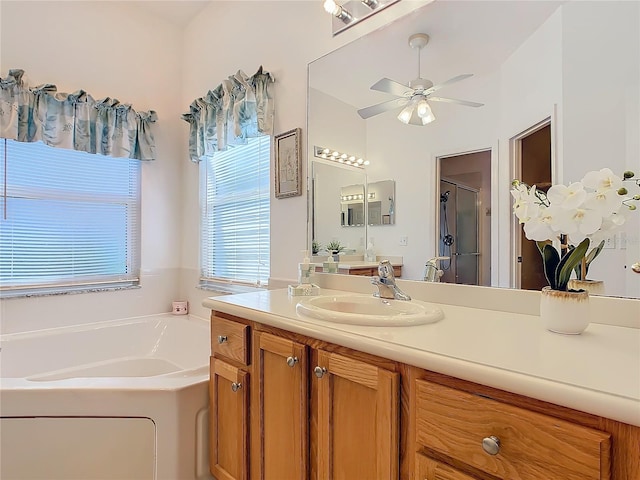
(291,361)
(222,338)
(319,371)
(491,445)
(235,386)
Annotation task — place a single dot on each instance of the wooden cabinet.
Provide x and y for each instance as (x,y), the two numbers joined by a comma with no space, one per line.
(285,406)
(507,441)
(429,469)
(358,419)
(281,399)
(352,404)
(229,418)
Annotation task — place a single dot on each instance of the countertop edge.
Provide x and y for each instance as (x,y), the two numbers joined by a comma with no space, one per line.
(610,406)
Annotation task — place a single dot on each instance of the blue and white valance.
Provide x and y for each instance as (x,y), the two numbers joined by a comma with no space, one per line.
(239,108)
(73,120)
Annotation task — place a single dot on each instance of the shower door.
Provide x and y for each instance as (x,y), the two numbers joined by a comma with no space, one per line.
(459,233)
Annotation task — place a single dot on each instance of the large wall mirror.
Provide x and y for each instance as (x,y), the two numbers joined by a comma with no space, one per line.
(559,79)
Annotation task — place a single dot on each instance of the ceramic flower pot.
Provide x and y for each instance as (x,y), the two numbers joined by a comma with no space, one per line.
(594,287)
(564,312)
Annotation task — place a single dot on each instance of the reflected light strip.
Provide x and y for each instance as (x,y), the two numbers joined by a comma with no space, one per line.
(339,157)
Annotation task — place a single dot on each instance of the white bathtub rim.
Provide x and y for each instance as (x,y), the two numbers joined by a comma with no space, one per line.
(172,381)
(81,327)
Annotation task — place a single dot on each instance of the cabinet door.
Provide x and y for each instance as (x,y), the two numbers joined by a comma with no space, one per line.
(429,469)
(228,416)
(358,406)
(281,385)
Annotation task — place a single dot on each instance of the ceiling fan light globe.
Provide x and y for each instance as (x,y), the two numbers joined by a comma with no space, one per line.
(423,108)
(405,115)
(428,119)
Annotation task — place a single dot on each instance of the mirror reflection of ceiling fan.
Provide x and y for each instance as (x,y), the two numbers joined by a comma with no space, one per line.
(413,97)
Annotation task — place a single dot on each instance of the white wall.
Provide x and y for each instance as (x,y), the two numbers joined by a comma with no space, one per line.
(124,50)
(284,37)
(107,49)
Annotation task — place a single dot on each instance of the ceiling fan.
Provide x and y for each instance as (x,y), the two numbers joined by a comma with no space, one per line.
(413,97)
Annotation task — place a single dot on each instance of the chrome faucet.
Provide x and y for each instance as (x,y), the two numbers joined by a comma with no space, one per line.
(386,283)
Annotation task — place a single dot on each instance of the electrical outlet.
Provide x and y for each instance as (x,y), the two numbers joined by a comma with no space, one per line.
(610,242)
(404,241)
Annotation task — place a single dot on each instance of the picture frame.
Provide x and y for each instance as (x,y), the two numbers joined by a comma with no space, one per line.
(287,164)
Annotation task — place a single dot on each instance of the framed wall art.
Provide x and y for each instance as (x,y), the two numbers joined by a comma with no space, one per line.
(288,168)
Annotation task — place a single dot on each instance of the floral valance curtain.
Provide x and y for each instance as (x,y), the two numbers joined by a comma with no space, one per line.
(239,108)
(73,120)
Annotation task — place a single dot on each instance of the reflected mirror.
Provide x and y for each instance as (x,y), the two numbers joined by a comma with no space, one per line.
(533,64)
(352,206)
(330,183)
(381,203)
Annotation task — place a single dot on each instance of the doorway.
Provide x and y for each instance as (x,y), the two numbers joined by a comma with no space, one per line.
(532,152)
(465,218)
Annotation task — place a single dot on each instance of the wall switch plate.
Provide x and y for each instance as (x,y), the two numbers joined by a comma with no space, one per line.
(404,241)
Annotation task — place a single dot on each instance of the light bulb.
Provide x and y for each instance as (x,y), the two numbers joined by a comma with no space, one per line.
(423,108)
(331,7)
(405,114)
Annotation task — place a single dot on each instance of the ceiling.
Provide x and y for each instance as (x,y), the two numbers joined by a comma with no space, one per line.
(176,12)
(466,36)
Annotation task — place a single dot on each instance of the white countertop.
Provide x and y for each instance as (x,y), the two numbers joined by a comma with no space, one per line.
(597,372)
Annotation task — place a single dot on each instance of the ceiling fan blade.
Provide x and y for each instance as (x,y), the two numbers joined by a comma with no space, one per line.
(382,107)
(387,85)
(447,83)
(455,100)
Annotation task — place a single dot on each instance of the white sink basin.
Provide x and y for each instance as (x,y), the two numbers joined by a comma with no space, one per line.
(369,310)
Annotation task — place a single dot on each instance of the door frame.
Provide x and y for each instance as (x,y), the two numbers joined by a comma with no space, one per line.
(515,154)
(495,224)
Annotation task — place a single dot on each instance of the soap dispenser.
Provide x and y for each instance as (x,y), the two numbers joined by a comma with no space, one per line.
(305,270)
(370,253)
(329,265)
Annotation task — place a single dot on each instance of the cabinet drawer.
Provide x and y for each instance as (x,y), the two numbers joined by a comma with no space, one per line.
(429,469)
(530,445)
(230,339)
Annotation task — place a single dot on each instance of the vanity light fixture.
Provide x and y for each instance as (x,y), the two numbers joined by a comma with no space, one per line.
(351,12)
(339,157)
(337,11)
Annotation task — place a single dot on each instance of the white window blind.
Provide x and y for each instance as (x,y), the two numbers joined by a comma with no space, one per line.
(234,200)
(69,220)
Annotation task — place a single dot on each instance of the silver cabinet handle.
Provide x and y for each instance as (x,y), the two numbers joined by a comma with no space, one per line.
(291,361)
(235,386)
(319,371)
(491,445)
(222,338)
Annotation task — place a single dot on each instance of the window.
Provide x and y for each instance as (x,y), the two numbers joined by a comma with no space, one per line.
(69,220)
(234,199)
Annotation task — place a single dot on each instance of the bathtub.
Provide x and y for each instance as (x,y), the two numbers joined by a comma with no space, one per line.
(117,400)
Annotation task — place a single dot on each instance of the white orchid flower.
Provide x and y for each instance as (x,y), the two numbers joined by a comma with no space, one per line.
(585,222)
(569,197)
(602,180)
(605,201)
(538,226)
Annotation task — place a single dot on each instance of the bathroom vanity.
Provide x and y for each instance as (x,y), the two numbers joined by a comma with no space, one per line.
(480,394)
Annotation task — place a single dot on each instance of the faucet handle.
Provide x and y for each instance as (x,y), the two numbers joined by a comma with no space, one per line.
(385,270)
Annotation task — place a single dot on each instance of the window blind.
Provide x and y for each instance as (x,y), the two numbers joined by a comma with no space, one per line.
(234,199)
(70,220)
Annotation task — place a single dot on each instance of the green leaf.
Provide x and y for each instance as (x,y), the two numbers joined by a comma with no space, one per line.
(594,253)
(550,261)
(568,263)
